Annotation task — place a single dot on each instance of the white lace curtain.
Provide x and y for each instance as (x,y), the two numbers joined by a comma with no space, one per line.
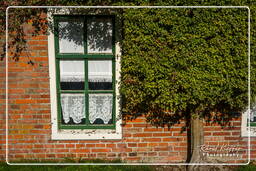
(100,107)
(73,106)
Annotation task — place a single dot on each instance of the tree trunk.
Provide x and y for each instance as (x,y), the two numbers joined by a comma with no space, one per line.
(196,141)
(195,155)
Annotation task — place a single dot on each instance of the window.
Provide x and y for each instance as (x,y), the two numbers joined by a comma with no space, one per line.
(249,121)
(84,103)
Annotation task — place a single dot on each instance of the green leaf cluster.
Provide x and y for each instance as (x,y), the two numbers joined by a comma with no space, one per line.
(190,61)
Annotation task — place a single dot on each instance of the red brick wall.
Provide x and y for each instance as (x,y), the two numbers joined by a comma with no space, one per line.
(2,103)
(30,123)
(225,138)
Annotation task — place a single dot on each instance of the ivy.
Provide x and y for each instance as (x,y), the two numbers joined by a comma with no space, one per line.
(191,61)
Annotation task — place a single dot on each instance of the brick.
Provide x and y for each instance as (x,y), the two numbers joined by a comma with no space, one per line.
(100,145)
(232,138)
(43,53)
(70,146)
(132,140)
(161,149)
(25,101)
(133,158)
(39,37)
(153,129)
(142,144)
(179,134)
(143,149)
(111,145)
(132,144)
(140,125)
(152,139)
(142,135)
(59,146)
(90,145)
(163,153)
(132,154)
(81,150)
(221,133)
(179,148)
(101,150)
(171,139)
(111,155)
(152,154)
(161,134)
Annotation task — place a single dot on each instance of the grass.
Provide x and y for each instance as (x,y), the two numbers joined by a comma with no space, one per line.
(5,167)
(250,167)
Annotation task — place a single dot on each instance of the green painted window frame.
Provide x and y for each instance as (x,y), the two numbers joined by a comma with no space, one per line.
(84,57)
(253,124)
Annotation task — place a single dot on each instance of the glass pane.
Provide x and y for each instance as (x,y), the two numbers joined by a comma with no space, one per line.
(99,35)
(71,37)
(100,74)
(71,75)
(100,108)
(73,108)
(253,114)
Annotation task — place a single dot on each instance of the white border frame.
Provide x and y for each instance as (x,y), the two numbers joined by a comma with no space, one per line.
(80,134)
(7,151)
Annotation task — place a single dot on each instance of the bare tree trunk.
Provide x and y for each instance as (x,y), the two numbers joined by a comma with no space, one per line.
(197,140)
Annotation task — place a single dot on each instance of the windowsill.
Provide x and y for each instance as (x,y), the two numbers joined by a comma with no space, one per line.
(88,134)
(252,132)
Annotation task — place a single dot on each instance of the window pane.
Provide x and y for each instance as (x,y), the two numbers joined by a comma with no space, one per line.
(253,115)
(71,37)
(73,108)
(99,35)
(72,75)
(100,108)
(100,74)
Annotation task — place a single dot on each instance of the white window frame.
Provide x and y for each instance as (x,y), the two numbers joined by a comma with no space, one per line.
(79,134)
(245,129)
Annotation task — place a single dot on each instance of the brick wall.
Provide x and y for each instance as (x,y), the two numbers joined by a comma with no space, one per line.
(227,138)
(30,123)
(2,103)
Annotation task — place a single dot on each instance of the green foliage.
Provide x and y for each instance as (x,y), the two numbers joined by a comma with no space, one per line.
(250,167)
(184,61)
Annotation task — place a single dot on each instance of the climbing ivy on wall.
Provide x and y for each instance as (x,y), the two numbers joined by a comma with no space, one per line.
(175,60)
